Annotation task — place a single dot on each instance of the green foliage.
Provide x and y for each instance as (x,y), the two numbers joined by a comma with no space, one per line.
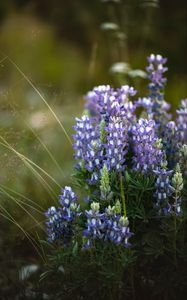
(155,267)
(98,273)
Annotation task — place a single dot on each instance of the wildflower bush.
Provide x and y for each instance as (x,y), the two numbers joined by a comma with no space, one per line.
(125,236)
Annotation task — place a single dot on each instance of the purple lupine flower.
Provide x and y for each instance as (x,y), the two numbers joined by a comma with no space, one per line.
(54,224)
(170,141)
(156,59)
(70,209)
(122,232)
(148,154)
(87,143)
(94,224)
(96,145)
(99,100)
(124,92)
(104,102)
(85,135)
(58,229)
(117,144)
(107,226)
(163,191)
(116,228)
(182,121)
(156,70)
(146,103)
(60,222)
(127,107)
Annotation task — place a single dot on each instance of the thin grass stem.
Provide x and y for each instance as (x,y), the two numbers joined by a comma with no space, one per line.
(41,96)
(31,240)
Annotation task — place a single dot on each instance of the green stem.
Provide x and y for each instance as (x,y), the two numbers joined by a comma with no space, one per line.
(175,231)
(123,195)
(174,242)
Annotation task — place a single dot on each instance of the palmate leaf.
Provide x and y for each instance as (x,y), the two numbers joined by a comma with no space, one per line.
(154,249)
(136,212)
(128,257)
(80,176)
(139,181)
(153,244)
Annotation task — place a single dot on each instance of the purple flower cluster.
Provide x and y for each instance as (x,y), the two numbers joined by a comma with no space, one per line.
(99,99)
(95,225)
(93,151)
(87,143)
(95,147)
(170,141)
(155,104)
(110,142)
(151,139)
(60,222)
(54,224)
(117,144)
(156,71)
(105,102)
(163,190)
(148,154)
(147,104)
(182,121)
(68,200)
(107,226)
(117,230)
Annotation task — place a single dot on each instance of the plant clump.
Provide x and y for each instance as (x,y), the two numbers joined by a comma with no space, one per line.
(131,167)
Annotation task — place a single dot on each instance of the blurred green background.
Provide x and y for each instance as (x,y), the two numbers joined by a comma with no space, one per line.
(55,51)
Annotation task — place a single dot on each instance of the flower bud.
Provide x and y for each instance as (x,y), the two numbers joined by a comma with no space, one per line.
(124,221)
(95,206)
(177,180)
(110,210)
(118,207)
(102,131)
(105,184)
